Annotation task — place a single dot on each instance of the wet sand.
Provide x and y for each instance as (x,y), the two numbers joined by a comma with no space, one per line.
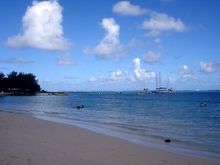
(25,140)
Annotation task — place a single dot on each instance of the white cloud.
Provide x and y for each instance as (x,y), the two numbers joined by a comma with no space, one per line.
(120,75)
(208,67)
(185,72)
(110,44)
(160,22)
(16,60)
(93,79)
(126,8)
(42,28)
(124,76)
(142,74)
(65,60)
(116,75)
(151,57)
(157,22)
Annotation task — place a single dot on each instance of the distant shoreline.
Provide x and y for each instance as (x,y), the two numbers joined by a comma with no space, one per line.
(48,93)
(17,93)
(20,93)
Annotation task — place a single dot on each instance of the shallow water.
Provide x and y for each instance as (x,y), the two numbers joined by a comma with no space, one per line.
(145,119)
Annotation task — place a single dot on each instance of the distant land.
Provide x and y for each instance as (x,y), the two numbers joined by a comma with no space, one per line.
(22,84)
(18,83)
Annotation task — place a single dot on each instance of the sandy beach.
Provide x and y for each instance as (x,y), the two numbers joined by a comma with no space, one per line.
(25,140)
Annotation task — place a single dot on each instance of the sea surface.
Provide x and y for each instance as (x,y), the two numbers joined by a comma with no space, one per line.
(147,120)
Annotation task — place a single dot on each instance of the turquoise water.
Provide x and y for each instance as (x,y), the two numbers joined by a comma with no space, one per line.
(145,119)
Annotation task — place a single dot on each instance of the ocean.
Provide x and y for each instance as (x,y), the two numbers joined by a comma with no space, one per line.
(146,120)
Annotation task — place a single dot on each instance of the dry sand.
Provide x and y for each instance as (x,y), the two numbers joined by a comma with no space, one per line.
(25,140)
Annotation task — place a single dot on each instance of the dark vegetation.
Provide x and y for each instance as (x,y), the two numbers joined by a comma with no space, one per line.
(18,83)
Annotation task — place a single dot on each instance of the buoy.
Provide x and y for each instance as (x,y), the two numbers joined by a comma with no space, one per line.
(79,106)
(167,140)
(203,104)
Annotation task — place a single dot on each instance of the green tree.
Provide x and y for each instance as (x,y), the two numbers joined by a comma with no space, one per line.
(2,81)
(2,75)
(24,82)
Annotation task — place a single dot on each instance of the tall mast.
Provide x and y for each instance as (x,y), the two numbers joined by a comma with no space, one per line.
(159,79)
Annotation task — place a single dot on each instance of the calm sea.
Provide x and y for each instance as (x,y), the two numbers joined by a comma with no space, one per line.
(146,120)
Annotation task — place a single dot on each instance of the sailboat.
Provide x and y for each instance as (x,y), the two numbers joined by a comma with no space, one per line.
(159,88)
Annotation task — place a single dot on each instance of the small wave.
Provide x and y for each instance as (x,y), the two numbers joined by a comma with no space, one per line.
(54,113)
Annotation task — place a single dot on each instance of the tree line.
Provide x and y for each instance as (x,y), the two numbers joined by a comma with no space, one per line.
(19,82)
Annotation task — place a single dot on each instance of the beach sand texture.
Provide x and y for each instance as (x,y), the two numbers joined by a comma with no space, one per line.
(25,140)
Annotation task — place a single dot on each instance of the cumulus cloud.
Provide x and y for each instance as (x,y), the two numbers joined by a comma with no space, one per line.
(124,76)
(120,75)
(42,28)
(92,79)
(114,76)
(65,60)
(126,8)
(110,44)
(151,57)
(160,22)
(157,22)
(16,60)
(185,72)
(142,74)
(208,67)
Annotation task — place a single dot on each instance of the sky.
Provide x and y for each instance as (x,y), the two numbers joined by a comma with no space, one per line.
(112,45)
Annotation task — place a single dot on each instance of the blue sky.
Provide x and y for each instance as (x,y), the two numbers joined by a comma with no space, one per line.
(112,45)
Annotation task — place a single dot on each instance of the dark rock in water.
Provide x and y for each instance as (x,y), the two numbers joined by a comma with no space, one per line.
(167,140)
(79,106)
(203,104)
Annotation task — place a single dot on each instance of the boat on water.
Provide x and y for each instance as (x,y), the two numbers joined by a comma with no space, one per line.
(163,90)
(158,89)
(143,92)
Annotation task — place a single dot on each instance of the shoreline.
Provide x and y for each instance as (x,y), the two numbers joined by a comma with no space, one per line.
(27,140)
(38,93)
(159,143)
